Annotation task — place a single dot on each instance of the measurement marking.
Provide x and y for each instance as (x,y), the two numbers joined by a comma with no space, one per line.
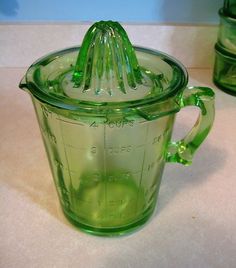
(123,174)
(65,154)
(68,122)
(105,168)
(141,145)
(141,178)
(75,147)
(84,201)
(122,149)
(76,172)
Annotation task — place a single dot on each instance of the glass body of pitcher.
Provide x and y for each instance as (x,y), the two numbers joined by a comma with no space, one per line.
(107,171)
(108,135)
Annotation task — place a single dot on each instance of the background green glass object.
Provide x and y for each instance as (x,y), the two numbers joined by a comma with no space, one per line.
(227,32)
(224,74)
(230,8)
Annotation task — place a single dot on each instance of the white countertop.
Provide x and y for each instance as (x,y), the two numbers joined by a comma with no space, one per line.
(195,220)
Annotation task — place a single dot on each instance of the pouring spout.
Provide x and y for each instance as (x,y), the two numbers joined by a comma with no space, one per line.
(23,84)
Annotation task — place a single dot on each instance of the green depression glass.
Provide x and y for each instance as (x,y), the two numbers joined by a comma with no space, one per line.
(227,32)
(106,112)
(230,8)
(224,75)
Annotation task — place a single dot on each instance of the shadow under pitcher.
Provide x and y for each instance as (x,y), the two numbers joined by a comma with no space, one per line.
(106,112)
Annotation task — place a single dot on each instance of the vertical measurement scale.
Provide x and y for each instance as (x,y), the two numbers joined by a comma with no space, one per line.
(142,170)
(105,169)
(48,130)
(67,162)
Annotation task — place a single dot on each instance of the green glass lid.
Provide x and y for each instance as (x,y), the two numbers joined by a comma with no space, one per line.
(105,71)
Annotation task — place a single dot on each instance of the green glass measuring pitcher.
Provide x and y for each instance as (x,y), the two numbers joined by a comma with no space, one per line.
(106,112)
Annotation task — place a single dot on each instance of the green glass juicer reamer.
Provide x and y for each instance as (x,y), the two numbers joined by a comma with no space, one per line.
(106,112)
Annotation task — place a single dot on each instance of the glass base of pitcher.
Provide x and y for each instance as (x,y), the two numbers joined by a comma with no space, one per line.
(111,231)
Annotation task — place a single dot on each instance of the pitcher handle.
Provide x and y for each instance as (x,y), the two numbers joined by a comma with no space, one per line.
(182,151)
